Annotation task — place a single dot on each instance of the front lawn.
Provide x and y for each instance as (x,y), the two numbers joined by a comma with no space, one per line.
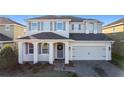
(37,70)
(118,60)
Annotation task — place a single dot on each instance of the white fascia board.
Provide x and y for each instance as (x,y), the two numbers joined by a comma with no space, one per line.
(44,40)
(95,41)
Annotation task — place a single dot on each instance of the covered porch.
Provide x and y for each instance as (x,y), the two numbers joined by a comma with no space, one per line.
(43,51)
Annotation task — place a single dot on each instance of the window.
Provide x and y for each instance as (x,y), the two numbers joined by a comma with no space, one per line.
(60,26)
(46,26)
(34,26)
(76,27)
(45,48)
(29,48)
(7,27)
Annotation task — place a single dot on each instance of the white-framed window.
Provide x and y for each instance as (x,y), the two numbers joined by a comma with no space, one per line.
(60,26)
(76,27)
(46,26)
(45,48)
(34,26)
(29,48)
(7,27)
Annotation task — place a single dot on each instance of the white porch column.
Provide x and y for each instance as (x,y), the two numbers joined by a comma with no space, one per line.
(20,52)
(51,53)
(35,52)
(66,53)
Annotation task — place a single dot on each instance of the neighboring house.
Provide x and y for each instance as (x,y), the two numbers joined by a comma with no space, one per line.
(114,27)
(9,31)
(67,38)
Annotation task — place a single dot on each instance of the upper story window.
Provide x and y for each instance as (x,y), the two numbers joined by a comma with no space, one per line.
(60,26)
(46,26)
(76,27)
(7,27)
(34,26)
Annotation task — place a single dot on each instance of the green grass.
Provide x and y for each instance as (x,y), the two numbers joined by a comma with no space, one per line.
(118,60)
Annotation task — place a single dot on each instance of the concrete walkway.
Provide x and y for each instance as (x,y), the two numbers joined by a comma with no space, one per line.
(86,68)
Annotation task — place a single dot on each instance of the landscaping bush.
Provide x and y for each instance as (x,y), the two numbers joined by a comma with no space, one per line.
(8,57)
(72,74)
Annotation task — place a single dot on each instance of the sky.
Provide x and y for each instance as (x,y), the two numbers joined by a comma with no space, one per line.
(106,19)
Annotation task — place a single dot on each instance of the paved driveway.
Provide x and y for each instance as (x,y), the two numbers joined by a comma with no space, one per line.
(86,68)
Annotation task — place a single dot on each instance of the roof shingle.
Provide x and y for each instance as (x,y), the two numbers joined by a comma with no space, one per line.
(89,37)
(73,18)
(4,38)
(44,35)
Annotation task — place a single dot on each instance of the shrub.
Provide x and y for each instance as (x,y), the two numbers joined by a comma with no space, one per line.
(8,57)
(72,74)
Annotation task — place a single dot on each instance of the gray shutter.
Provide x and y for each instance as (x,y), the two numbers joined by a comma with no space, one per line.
(39,26)
(55,26)
(64,27)
(29,26)
(51,26)
(39,48)
(26,48)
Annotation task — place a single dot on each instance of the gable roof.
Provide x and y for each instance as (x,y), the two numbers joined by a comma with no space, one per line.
(4,20)
(115,22)
(4,38)
(73,18)
(44,35)
(89,37)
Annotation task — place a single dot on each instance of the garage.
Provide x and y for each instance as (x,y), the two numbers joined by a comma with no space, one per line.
(89,53)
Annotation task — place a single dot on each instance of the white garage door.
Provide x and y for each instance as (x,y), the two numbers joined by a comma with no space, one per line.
(89,53)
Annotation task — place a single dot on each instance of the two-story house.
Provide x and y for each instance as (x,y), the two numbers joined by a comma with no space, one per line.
(114,27)
(9,31)
(68,38)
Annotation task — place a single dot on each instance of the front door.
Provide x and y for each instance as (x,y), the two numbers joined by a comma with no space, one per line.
(60,51)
